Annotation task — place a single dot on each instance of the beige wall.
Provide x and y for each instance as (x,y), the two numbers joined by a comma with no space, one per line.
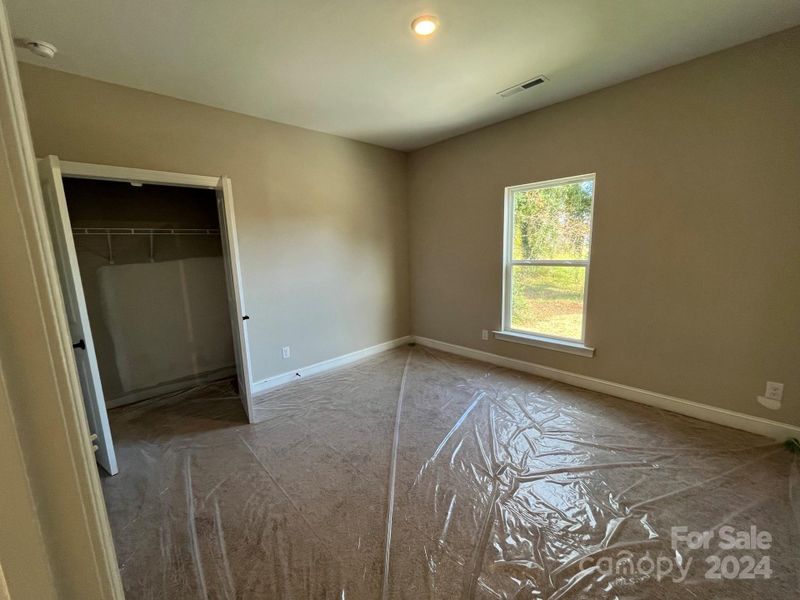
(322,220)
(695,277)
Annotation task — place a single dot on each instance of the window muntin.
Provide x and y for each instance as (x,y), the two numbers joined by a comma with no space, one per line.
(548,241)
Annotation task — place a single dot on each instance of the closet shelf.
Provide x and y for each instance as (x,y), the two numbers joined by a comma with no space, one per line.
(140,231)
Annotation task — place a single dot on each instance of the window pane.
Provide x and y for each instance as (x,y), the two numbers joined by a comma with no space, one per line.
(553,222)
(548,300)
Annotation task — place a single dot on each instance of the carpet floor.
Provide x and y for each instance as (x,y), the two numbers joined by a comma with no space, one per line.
(418,474)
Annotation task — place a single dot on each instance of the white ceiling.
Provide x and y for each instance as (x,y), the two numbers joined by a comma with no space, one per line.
(354,68)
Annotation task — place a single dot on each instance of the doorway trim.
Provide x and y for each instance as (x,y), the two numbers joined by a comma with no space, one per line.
(112,173)
(63,545)
(227,225)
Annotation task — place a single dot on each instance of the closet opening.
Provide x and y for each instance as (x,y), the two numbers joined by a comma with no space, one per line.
(149,270)
(150,259)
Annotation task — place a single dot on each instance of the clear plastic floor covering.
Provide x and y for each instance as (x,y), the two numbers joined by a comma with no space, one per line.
(418,474)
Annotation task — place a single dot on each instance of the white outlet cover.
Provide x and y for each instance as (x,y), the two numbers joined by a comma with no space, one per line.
(484,334)
(286,351)
(774,391)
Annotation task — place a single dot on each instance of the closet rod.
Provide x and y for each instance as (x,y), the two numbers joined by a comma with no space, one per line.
(140,231)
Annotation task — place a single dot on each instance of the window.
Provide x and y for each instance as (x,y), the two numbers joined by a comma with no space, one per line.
(548,240)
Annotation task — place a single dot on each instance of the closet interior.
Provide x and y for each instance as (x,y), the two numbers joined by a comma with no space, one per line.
(151,265)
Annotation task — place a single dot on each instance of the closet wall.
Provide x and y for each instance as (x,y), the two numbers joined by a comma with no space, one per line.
(159,321)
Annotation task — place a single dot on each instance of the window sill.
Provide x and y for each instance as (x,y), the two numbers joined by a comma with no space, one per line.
(544,342)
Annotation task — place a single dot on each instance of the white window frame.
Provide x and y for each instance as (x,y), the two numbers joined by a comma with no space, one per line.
(507,333)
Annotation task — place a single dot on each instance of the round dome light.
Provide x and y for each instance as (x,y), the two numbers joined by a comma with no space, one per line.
(425,25)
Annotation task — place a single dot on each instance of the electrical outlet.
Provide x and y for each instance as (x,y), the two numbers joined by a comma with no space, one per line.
(484,334)
(287,351)
(774,391)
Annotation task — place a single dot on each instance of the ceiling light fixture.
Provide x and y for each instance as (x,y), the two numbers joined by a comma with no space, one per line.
(425,25)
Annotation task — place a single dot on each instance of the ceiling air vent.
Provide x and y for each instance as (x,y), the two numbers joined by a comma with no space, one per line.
(521,87)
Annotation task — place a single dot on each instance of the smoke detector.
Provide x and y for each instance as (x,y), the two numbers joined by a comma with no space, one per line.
(38,47)
(521,87)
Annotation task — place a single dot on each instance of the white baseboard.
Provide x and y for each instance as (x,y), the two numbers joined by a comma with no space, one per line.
(774,429)
(171,386)
(259,387)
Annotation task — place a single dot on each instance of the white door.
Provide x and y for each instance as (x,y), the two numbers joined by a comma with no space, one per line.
(55,202)
(233,274)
